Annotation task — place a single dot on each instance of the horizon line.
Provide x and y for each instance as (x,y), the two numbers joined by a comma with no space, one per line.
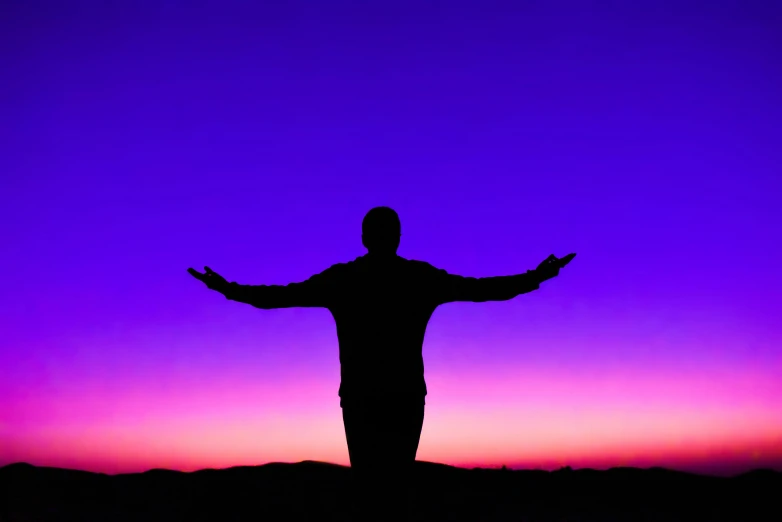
(440,464)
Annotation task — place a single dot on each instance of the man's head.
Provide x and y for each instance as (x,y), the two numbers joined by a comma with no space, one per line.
(381,231)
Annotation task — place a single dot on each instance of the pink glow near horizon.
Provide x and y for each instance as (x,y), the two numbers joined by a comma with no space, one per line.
(521,420)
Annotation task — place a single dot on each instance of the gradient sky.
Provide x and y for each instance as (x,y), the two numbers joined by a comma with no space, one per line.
(138,141)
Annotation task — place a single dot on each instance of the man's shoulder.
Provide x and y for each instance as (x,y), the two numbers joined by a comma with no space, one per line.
(346,267)
(338,268)
(361,264)
(422,269)
(416,264)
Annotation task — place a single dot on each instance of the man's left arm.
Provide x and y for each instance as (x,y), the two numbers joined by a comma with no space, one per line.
(311,293)
(317,291)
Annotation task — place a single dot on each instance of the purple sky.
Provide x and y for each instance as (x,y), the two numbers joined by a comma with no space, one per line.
(139,141)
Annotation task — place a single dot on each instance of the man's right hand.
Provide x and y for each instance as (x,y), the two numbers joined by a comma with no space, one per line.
(210,278)
(549,267)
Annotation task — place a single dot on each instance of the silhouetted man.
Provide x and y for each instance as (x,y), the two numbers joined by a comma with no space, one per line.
(381,304)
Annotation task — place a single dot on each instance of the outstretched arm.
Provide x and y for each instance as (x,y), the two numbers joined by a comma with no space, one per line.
(450,288)
(317,291)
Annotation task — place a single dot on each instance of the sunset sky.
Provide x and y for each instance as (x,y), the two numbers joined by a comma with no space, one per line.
(138,141)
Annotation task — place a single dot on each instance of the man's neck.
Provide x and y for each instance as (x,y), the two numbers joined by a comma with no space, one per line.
(381,256)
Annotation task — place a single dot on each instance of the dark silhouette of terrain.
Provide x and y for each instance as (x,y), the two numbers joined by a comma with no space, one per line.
(312,491)
(381,304)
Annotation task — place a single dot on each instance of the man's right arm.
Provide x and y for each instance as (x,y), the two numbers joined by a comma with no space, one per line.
(449,288)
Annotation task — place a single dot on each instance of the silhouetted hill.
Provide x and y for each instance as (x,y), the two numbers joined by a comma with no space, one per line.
(315,491)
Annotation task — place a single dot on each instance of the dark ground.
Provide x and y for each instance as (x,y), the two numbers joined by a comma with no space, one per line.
(315,491)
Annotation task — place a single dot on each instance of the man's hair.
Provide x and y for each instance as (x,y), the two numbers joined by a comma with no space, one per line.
(381,222)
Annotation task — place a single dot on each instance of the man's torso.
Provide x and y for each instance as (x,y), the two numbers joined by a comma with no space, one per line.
(381,309)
